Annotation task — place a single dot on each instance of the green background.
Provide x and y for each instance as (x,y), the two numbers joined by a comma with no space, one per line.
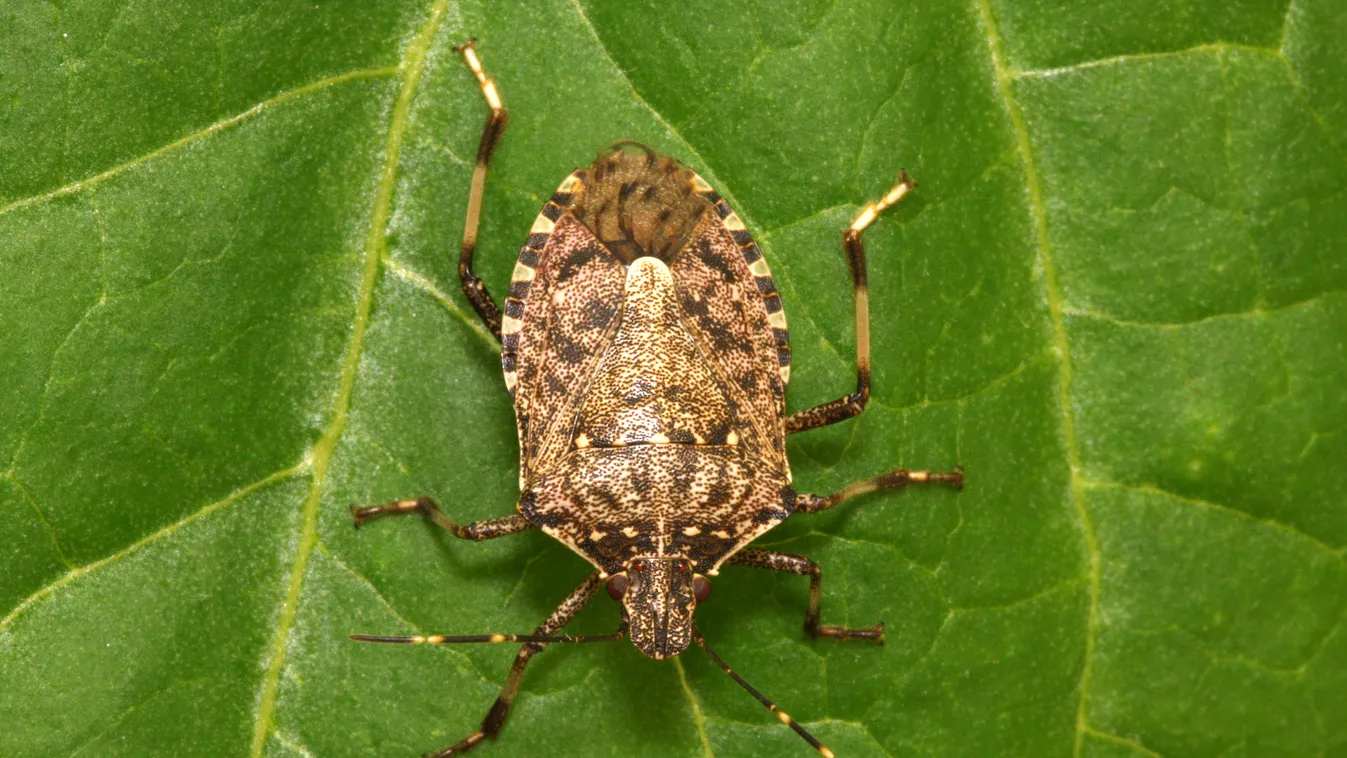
(228,310)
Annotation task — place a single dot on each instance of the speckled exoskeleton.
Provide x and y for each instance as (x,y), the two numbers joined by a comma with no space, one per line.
(645,347)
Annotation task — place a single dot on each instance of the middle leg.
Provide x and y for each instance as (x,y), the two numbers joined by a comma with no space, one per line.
(798,564)
(476,531)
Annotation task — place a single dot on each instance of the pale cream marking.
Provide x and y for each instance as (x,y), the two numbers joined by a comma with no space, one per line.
(863,328)
(581,440)
(785,374)
(522,272)
(731,438)
(866,216)
(699,184)
(919,476)
(691,531)
(559,297)
(721,533)
(777,320)
(630,532)
(658,439)
(697,439)
(488,86)
(498,638)
(597,535)
(713,572)
(870,212)
(510,325)
(492,96)
(734,223)
(759,267)
(568,183)
(785,717)
(542,225)
(825,752)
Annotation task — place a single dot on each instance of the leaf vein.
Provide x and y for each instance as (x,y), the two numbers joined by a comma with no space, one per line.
(148,539)
(1105,736)
(1004,83)
(1207,47)
(696,707)
(375,244)
(421,282)
(90,181)
(1151,489)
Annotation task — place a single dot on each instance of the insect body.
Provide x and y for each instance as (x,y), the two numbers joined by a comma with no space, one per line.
(646,349)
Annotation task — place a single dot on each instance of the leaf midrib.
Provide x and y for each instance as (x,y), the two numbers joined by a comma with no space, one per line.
(1063,350)
(411,66)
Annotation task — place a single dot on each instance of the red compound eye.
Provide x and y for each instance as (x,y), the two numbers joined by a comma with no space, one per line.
(682,568)
(617,586)
(638,566)
(701,587)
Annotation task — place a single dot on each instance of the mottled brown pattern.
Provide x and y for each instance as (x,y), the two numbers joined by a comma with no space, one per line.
(722,304)
(562,338)
(654,383)
(639,203)
(698,502)
(649,396)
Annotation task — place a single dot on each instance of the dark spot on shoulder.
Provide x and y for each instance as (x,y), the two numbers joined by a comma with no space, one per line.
(714,259)
(695,307)
(578,259)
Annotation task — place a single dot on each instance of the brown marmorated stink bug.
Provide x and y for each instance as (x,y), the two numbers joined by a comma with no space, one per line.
(645,347)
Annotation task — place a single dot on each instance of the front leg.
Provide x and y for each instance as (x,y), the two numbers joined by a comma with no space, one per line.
(473,287)
(798,564)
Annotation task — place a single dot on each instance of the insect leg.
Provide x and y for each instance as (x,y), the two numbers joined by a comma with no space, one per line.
(500,710)
(807,503)
(476,531)
(798,564)
(769,705)
(474,288)
(851,405)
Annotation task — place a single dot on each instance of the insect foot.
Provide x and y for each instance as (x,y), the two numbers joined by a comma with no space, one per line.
(645,347)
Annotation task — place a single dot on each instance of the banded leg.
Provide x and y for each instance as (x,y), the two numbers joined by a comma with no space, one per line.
(851,405)
(798,564)
(807,503)
(500,710)
(476,531)
(473,287)
(781,715)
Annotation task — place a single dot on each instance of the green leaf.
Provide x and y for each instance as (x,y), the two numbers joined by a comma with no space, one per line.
(230,308)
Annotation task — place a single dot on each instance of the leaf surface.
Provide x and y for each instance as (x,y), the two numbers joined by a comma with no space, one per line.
(230,309)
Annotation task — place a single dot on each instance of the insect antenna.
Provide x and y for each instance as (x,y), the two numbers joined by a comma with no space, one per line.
(442,639)
(785,717)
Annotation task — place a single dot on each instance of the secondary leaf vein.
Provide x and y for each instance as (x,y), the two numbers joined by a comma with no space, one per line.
(221,125)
